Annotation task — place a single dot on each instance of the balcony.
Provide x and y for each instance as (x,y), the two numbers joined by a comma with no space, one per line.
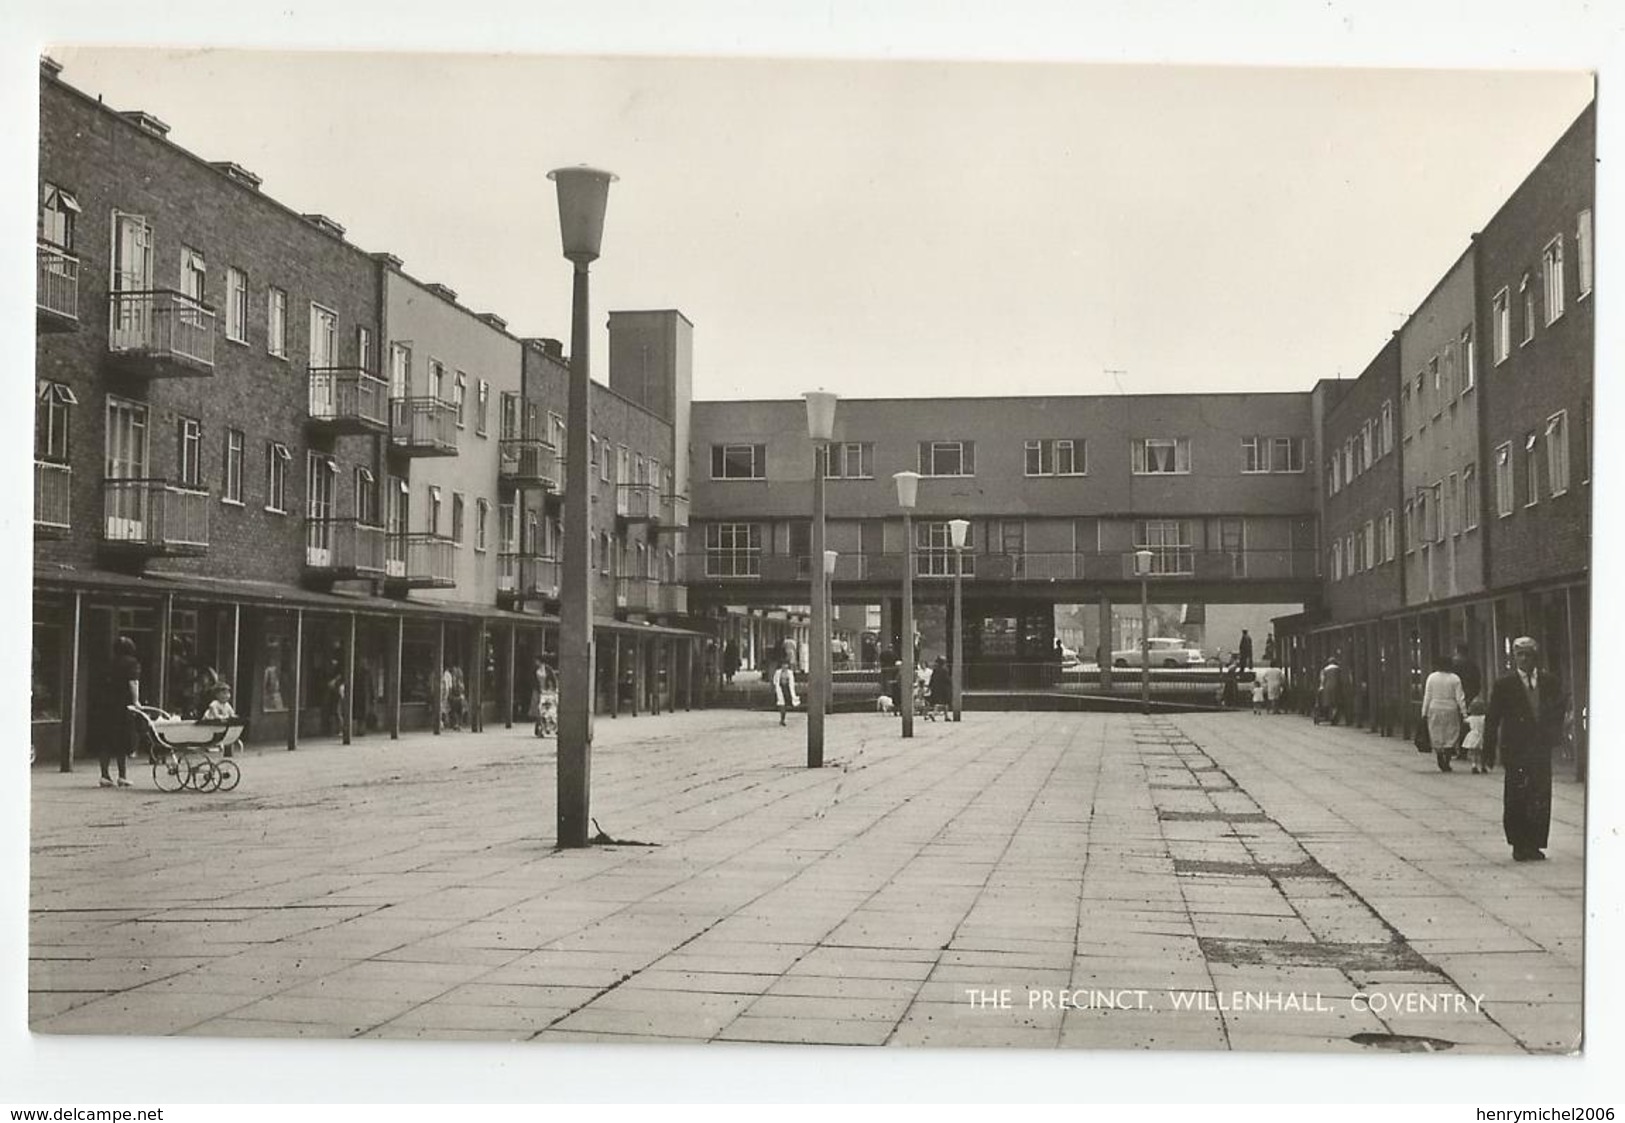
(673,513)
(637,594)
(53,484)
(154,517)
(674,599)
(526,462)
(637,502)
(340,548)
(423,426)
(56,300)
(936,566)
(420,561)
(160,334)
(346,400)
(527,576)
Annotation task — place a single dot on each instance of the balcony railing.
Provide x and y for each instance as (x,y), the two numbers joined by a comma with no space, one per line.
(528,462)
(57,294)
(637,502)
(528,575)
(420,561)
(424,426)
(53,486)
(161,334)
(155,516)
(638,594)
(1168,563)
(348,400)
(338,547)
(674,511)
(674,599)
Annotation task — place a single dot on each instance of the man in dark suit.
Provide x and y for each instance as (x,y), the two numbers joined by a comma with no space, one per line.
(1524,723)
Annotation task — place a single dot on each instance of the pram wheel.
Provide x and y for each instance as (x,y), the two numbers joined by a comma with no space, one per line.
(170,773)
(205,776)
(229,775)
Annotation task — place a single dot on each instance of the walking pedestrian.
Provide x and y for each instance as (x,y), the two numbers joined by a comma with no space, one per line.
(120,687)
(1329,700)
(1524,723)
(941,691)
(544,698)
(730,661)
(1244,652)
(456,697)
(1274,679)
(784,690)
(1472,685)
(1444,710)
(1269,648)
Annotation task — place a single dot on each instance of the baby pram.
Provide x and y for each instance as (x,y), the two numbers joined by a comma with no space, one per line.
(190,754)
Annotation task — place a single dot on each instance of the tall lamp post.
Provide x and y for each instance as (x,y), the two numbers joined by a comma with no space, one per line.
(1142,566)
(830,558)
(958,530)
(820,427)
(908,488)
(583,194)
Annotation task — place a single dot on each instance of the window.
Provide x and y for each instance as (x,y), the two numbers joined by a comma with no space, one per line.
(1368,445)
(1551,271)
(1500,327)
(400,370)
(508,418)
(363,349)
(1169,541)
(1440,393)
(934,550)
(1469,497)
(321,486)
(434,510)
(731,462)
(1469,360)
(850,461)
(1436,508)
(437,380)
(1531,463)
(324,338)
(366,497)
(276,322)
(1337,559)
(603,553)
(1156,455)
(947,458)
(236,305)
(482,408)
(733,550)
(1255,454)
(482,514)
(1385,430)
(508,529)
(52,413)
(1405,411)
(760,453)
(1060,457)
(57,209)
(623,465)
(1582,250)
(1557,453)
(1424,516)
(1503,480)
(193,273)
(1388,535)
(1348,461)
(459,398)
(457,517)
(1447,377)
(1410,526)
(1527,292)
(395,507)
(1335,471)
(592,453)
(1451,511)
(233,470)
(1349,558)
(276,477)
(189,451)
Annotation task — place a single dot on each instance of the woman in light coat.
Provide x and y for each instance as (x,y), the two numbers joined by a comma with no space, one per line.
(784,690)
(1444,708)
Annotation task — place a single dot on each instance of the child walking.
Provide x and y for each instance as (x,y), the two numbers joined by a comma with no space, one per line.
(1474,741)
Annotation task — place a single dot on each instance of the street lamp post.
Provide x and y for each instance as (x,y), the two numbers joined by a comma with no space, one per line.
(908,486)
(1142,566)
(583,194)
(958,530)
(830,558)
(820,427)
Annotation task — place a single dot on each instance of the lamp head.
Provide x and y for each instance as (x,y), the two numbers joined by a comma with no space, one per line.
(958,532)
(820,414)
(908,489)
(830,558)
(1142,563)
(583,195)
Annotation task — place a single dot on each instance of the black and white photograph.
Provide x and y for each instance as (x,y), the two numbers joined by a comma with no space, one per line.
(1049,556)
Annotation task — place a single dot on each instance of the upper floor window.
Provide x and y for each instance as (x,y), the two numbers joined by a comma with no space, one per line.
(1334,473)
(1469,360)
(400,370)
(1388,535)
(1436,382)
(1157,455)
(1405,410)
(1557,453)
(736,462)
(57,211)
(1503,480)
(1060,457)
(1527,291)
(1501,326)
(1551,269)
(236,305)
(437,380)
(459,398)
(366,497)
(232,481)
(733,550)
(1583,251)
(592,449)
(482,408)
(1169,541)
(434,509)
(1337,559)
(189,450)
(1531,464)
(1469,497)
(934,550)
(457,505)
(277,458)
(1410,526)
(363,348)
(193,273)
(1385,429)
(947,458)
(276,322)
(482,516)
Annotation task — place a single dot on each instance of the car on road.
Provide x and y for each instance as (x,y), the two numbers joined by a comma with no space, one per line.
(1165,651)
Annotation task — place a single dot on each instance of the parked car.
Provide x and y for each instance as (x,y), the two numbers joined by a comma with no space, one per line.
(1165,651)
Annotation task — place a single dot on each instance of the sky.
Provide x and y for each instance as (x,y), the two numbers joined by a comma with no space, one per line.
(897,228)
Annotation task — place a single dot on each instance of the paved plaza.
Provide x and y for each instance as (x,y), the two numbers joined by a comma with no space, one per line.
(1212,881)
